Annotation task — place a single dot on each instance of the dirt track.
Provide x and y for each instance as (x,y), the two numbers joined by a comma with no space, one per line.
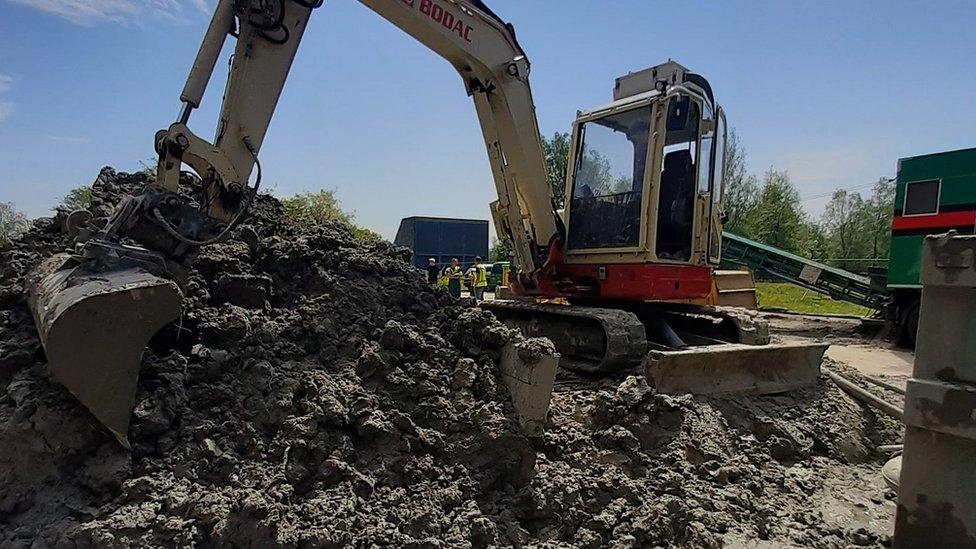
(868,349)
(353,405)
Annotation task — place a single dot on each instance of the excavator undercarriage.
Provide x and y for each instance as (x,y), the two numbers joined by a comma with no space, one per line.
(681,348)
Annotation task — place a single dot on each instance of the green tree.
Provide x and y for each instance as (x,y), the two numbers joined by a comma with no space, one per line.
(323,207)
(845,221)
(595,171)
(777,219)
(12,223)
(79,198)
(814,242)
(741,189)
(556,151)
(499,251)
(859,228)
(881,206)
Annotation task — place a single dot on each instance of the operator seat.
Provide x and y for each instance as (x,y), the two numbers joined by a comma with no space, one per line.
(675,207)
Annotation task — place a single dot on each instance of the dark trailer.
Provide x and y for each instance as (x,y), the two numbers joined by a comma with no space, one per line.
(443,238)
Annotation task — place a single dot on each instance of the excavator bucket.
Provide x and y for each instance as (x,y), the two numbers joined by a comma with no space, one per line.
(735,368)
(94,327)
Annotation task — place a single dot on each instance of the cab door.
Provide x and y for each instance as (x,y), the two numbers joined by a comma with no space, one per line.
(717,189)
(704,194)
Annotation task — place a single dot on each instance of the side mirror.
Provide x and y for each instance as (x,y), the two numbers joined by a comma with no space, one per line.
(678,110)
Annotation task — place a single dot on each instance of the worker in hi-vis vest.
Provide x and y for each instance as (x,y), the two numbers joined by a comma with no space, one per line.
(454,276)
(478,278)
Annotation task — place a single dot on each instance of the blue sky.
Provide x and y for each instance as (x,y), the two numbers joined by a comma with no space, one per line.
(832,91)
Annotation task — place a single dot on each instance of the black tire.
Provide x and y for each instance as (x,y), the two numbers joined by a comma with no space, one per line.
(909,325)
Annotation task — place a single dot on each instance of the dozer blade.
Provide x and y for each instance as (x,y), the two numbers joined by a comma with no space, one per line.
(94,327)
(735,368)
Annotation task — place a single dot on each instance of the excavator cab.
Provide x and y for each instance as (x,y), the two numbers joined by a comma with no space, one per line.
(647,174)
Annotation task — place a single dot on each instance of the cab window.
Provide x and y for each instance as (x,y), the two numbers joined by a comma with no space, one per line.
(676,200)
(719,180)
(605,208)
(718,187)
(705,158)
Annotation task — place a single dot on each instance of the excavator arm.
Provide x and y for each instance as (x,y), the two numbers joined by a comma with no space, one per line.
(97,308)
(478,44)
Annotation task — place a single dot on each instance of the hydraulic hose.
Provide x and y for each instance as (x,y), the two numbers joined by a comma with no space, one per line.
(249,196)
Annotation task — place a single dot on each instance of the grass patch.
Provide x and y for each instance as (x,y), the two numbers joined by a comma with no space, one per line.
(781,295)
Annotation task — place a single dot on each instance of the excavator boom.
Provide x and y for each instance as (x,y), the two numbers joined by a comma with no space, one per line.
(479,45)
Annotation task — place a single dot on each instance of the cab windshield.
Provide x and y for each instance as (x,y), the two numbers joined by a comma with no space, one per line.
(605,207)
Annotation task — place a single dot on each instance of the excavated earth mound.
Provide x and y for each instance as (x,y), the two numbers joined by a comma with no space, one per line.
(317,392)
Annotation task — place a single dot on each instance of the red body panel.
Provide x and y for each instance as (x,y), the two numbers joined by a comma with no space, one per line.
(945,219)
(632,282)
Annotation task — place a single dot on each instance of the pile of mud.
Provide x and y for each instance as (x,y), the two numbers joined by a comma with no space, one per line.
(316,392)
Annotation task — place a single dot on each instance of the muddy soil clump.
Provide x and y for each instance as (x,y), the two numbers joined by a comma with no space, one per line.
(317,392)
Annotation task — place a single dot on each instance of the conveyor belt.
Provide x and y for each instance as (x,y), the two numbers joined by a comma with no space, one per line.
(807,273)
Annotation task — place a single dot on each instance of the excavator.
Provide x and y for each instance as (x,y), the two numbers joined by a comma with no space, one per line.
(624,276)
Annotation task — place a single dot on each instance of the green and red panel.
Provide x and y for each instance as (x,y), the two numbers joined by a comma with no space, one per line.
(956,172)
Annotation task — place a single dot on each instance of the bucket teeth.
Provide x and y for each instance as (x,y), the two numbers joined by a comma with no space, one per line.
(94,327)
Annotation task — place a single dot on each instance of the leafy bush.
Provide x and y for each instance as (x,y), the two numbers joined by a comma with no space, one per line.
(323,207)
(78,198)
(12,223)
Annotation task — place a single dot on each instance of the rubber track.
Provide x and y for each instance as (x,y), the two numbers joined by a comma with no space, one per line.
(622,334)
